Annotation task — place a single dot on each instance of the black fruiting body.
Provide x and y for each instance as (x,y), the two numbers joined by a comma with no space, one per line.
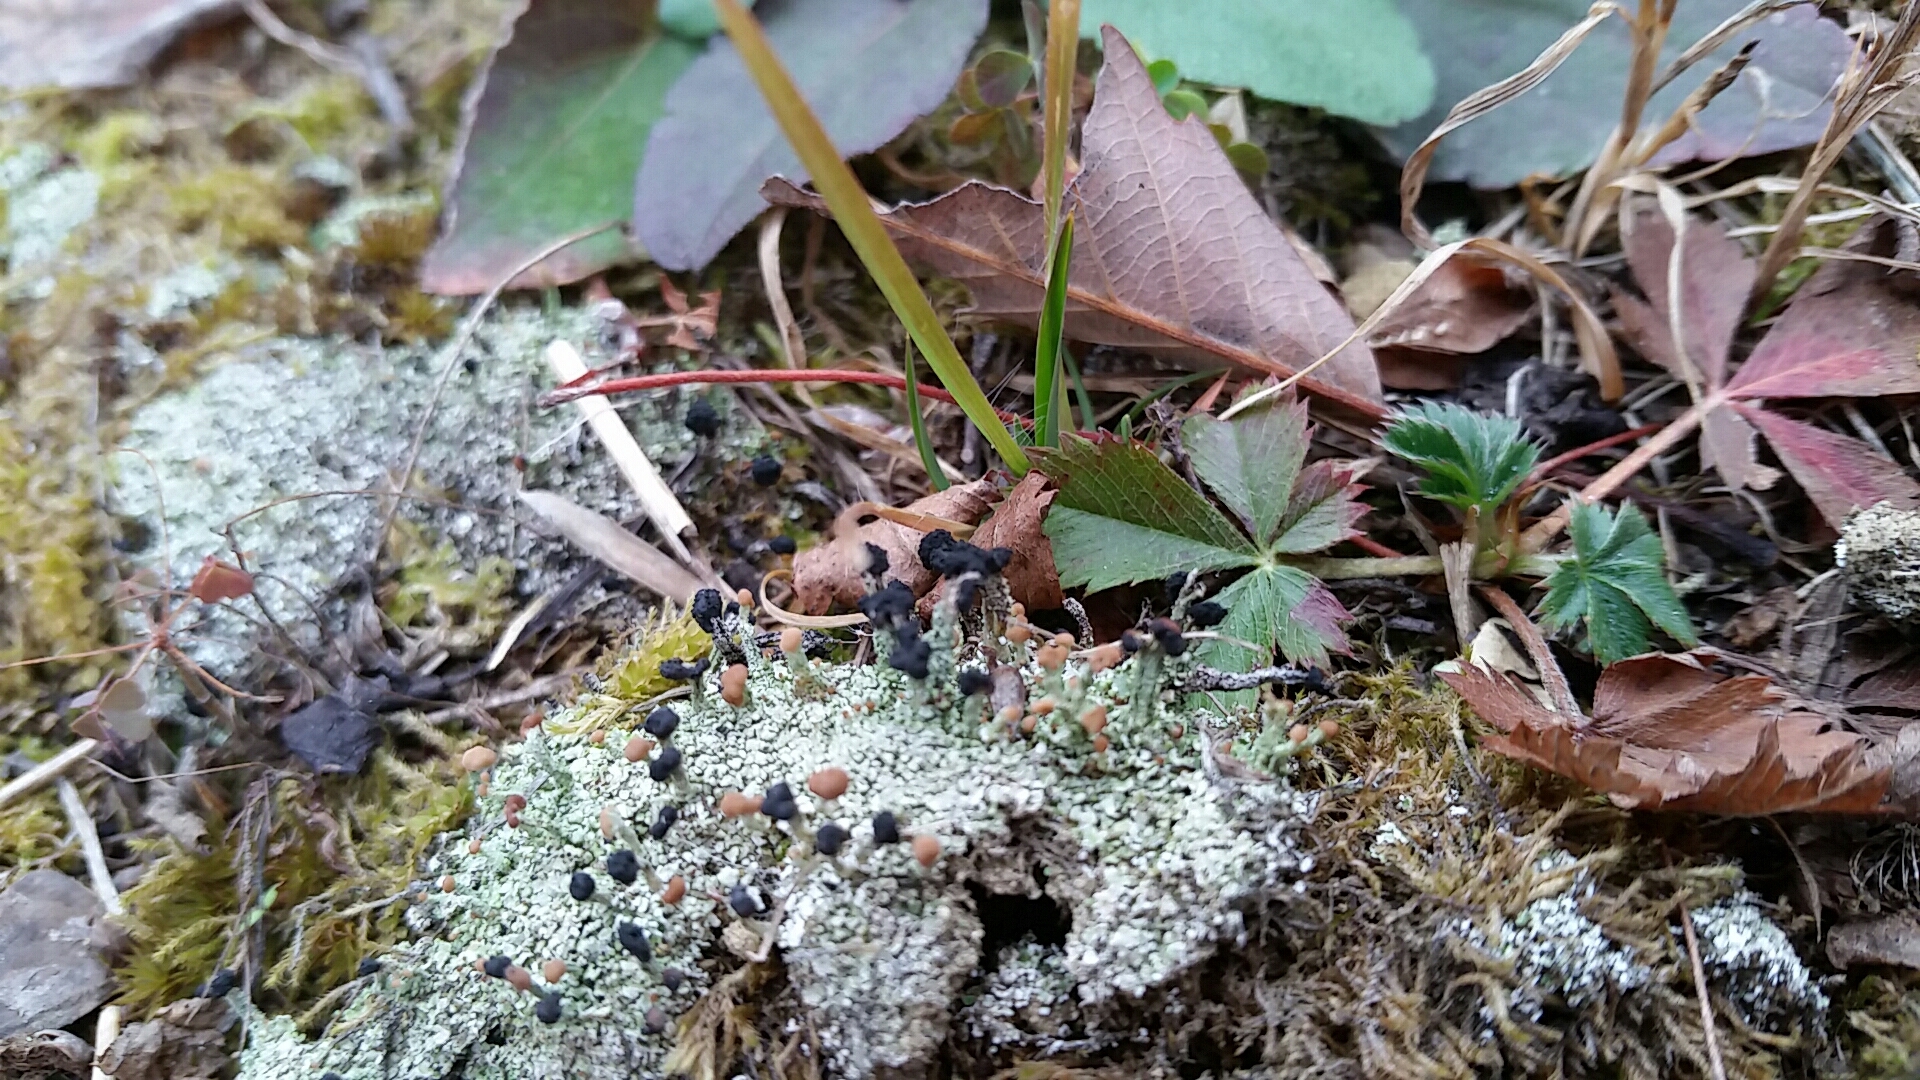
(972,681)
(661,722)
(876,561)
(889,606)
(623,866)
(548,1010)
(634,940)
(1205,613)
(766,470)
(664,821)
(885,829)
(782,545)
(683,670)
(911,652)
(778,803)
(701,419)
(742,901)
(948,557)
(1167,633)
(707,607)
(1170,588)
(673,979)
(496,966)
(662,767)
(828,839)
(580,885)
(220,985)
(367,967)
(1130,641)
(657,1020)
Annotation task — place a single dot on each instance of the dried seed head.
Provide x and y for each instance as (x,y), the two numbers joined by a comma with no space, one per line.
(1297,733)
(792,639)
(634,940)
(496,966)
(473,846)
(548,1010)
(926,849)
(1019,633)
(828,838)
(662,722)
(778,803)
(580,885)
(742,901)
(478,758)
(553,971)
(828,783)
(766,470)
(673,979)
(664,821)
(1100,743)
(447,883)
(657,1020)
(1204,614)
(683,670)
(738,804)
(519,978)
(531,721)
(744,598)
(1094,720)
(701,419)
(675,891)
(1028,724)
(782,545)
(597,738)
(638,748)
(662,767)
(972,681)
(733,685)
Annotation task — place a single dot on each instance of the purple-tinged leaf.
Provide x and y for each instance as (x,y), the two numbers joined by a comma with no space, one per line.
(1840,474)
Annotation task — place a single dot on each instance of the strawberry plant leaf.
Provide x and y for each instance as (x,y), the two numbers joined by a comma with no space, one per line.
(1615,580)
(1250,461)
(1471,459)
(1122,516)
(1322,511)
(1275,606)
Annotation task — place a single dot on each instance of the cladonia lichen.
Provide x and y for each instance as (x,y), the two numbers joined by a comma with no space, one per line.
(1098,792)
(1880,551)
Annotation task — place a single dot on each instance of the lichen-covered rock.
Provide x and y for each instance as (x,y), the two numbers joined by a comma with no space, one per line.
(1880,550)
(1749,958)
(1151,854)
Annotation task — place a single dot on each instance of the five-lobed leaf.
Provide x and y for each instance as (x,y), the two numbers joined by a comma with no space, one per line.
(1615,580)
(1249,462)
(1471,459)
(1122,516)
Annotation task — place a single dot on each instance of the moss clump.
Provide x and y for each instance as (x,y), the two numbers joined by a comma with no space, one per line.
(633,674)
(338,859)
(31,830)
(432,588)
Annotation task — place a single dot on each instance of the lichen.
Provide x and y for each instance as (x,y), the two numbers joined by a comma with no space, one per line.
(1153,857)
(1880,550)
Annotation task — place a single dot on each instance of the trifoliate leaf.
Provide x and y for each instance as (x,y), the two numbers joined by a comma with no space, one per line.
(1471,459)
(1122,516)
(1616,580)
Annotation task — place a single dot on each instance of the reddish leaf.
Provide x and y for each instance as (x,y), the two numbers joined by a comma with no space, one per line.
(829,576)
(1468,306)
(1840,474)
(1172,254)
(216,581)
(1669,733)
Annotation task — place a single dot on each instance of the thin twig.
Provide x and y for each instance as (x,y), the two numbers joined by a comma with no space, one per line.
(1536,643)
(754,375)
(81,820)
(538,688)
(1706,1002)
(46,772)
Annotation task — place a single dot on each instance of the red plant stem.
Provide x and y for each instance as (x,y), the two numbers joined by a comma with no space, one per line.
(821,375)
(1374,547)
(1551,465)
(1543,531)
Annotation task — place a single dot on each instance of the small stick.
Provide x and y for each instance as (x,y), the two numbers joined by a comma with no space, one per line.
(44,773)
(1700,986)
(81,819)
(105,1030)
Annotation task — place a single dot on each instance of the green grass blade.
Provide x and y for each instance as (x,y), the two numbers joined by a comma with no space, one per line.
(921,442)
(1063,48)
(1088,421)
(862,227)
(1049,399)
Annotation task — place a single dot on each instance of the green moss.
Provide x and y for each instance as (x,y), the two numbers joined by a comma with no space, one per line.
(31,830)
(432,588)
(636,676)
(247,204)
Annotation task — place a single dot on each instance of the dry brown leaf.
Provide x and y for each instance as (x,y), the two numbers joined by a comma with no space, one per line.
(830,575)
(82,44)
(1891,939)
(1668,732)
(1172,256)
(1031,576)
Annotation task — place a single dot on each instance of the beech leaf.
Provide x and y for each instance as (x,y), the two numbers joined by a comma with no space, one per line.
(1018,523)
(1669,733)
(1615,580)
(829,575)
(550,143)
(1173,256)
(1122,516)
(867,67)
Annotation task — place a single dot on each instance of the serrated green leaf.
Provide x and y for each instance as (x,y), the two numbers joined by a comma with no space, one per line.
(1122,516)
(1275,607)
(1321,511)
(1471,459)
(1356,58)
(1250,461)
(1616,581)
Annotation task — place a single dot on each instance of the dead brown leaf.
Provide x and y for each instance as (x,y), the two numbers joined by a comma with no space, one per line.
(1031,577)
(1668,732)
(1892,939)
(830,575)
(83,44)
(1172,254)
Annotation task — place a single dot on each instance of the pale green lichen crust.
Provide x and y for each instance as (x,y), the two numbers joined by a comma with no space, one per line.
(1153,853)
(1880,550)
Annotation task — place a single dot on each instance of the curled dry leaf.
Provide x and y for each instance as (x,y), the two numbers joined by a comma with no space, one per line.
(1467,306)
(216,581)
(1668,732)
(1172,254)
(830,575)
(1031,576)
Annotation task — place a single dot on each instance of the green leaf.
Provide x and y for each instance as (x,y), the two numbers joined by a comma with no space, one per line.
(929,458)
(1000,77)
(1782,99)
(1322,510)
(1165,75)
(691,19)
(848,201)
(865,68)
(1122,516)
(1616,580)
(1471,459)
(552,144)
(1357,58)
(1250,461)
(1276,607)
(1184,103)
(1049,398)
